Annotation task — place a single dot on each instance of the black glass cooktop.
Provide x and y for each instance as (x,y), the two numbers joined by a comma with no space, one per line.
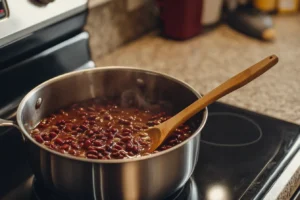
(239,152)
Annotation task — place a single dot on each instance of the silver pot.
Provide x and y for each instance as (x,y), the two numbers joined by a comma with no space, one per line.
(151,177)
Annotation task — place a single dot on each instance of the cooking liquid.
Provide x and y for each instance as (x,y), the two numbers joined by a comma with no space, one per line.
(103,130)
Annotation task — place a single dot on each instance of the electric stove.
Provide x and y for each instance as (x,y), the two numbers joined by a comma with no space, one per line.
(242,154)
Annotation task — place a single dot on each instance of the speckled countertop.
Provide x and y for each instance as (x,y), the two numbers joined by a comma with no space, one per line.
(209,59)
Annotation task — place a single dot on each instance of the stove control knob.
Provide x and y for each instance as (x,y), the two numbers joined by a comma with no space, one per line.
(44,1)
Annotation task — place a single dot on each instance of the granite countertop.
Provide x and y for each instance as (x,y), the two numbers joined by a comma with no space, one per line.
(209,59)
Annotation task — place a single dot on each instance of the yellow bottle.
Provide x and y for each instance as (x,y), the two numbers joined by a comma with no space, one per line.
(265,5)
(287,6)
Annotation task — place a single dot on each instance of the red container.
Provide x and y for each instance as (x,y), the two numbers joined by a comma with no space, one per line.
(181,19)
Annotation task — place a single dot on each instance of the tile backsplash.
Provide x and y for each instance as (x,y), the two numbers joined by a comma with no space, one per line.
(110,25)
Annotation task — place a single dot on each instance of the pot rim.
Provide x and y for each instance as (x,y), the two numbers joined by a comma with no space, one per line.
(70,74)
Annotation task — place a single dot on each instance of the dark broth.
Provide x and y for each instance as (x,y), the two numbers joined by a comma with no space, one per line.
(99,129)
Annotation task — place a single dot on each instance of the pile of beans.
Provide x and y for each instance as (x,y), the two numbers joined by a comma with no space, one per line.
(103,130)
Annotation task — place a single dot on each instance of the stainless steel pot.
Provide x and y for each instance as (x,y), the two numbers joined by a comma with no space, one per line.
(150,177)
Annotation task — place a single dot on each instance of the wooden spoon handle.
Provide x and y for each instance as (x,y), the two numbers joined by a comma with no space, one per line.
(228,86)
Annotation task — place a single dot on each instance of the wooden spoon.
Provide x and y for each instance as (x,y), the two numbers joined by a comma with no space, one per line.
(160,132)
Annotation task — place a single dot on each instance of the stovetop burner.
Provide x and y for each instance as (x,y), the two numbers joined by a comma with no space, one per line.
(220,131)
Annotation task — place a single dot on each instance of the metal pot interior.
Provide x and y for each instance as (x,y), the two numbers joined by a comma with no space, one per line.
(146,89)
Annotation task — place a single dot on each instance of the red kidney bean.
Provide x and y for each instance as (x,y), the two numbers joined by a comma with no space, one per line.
(174,141)
(126,133)
(75,146)
(96,129)
(135,142)
(131,118)
(115,154)
(55,129)
(98,136)
(104,138)
(42,125)
(135,149)
(117,147)
(109,125)
(163,147)
(81,144)
(74,127)
(46,138)
(87,143)
(127,130)
(102,111)
(90,133)
(92,156)
(92,122)
(126,139)
(123,153)
(131,154)
(65,147)
(110,136)
(179,131)
(74,133)
(83,127)
(145,127)
(100,156)
(129,147)
(91,148)
(118,136)
(35,131)
(38,138)
(137,127)
(79,130)
(47,143)
(114,130)
(107,117)
(72,152)
(67,129)
(53,116)
(121,143)
(181,137)
(114,151)
(53,146)
(59,141)
(100,149)
(61,151)
(52,134)
(61,127)
(61,122)
(95,152)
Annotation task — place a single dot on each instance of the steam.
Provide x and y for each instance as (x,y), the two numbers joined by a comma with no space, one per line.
(135,89)
(134,97)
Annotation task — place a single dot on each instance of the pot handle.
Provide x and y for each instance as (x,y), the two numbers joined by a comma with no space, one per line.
(4,122)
